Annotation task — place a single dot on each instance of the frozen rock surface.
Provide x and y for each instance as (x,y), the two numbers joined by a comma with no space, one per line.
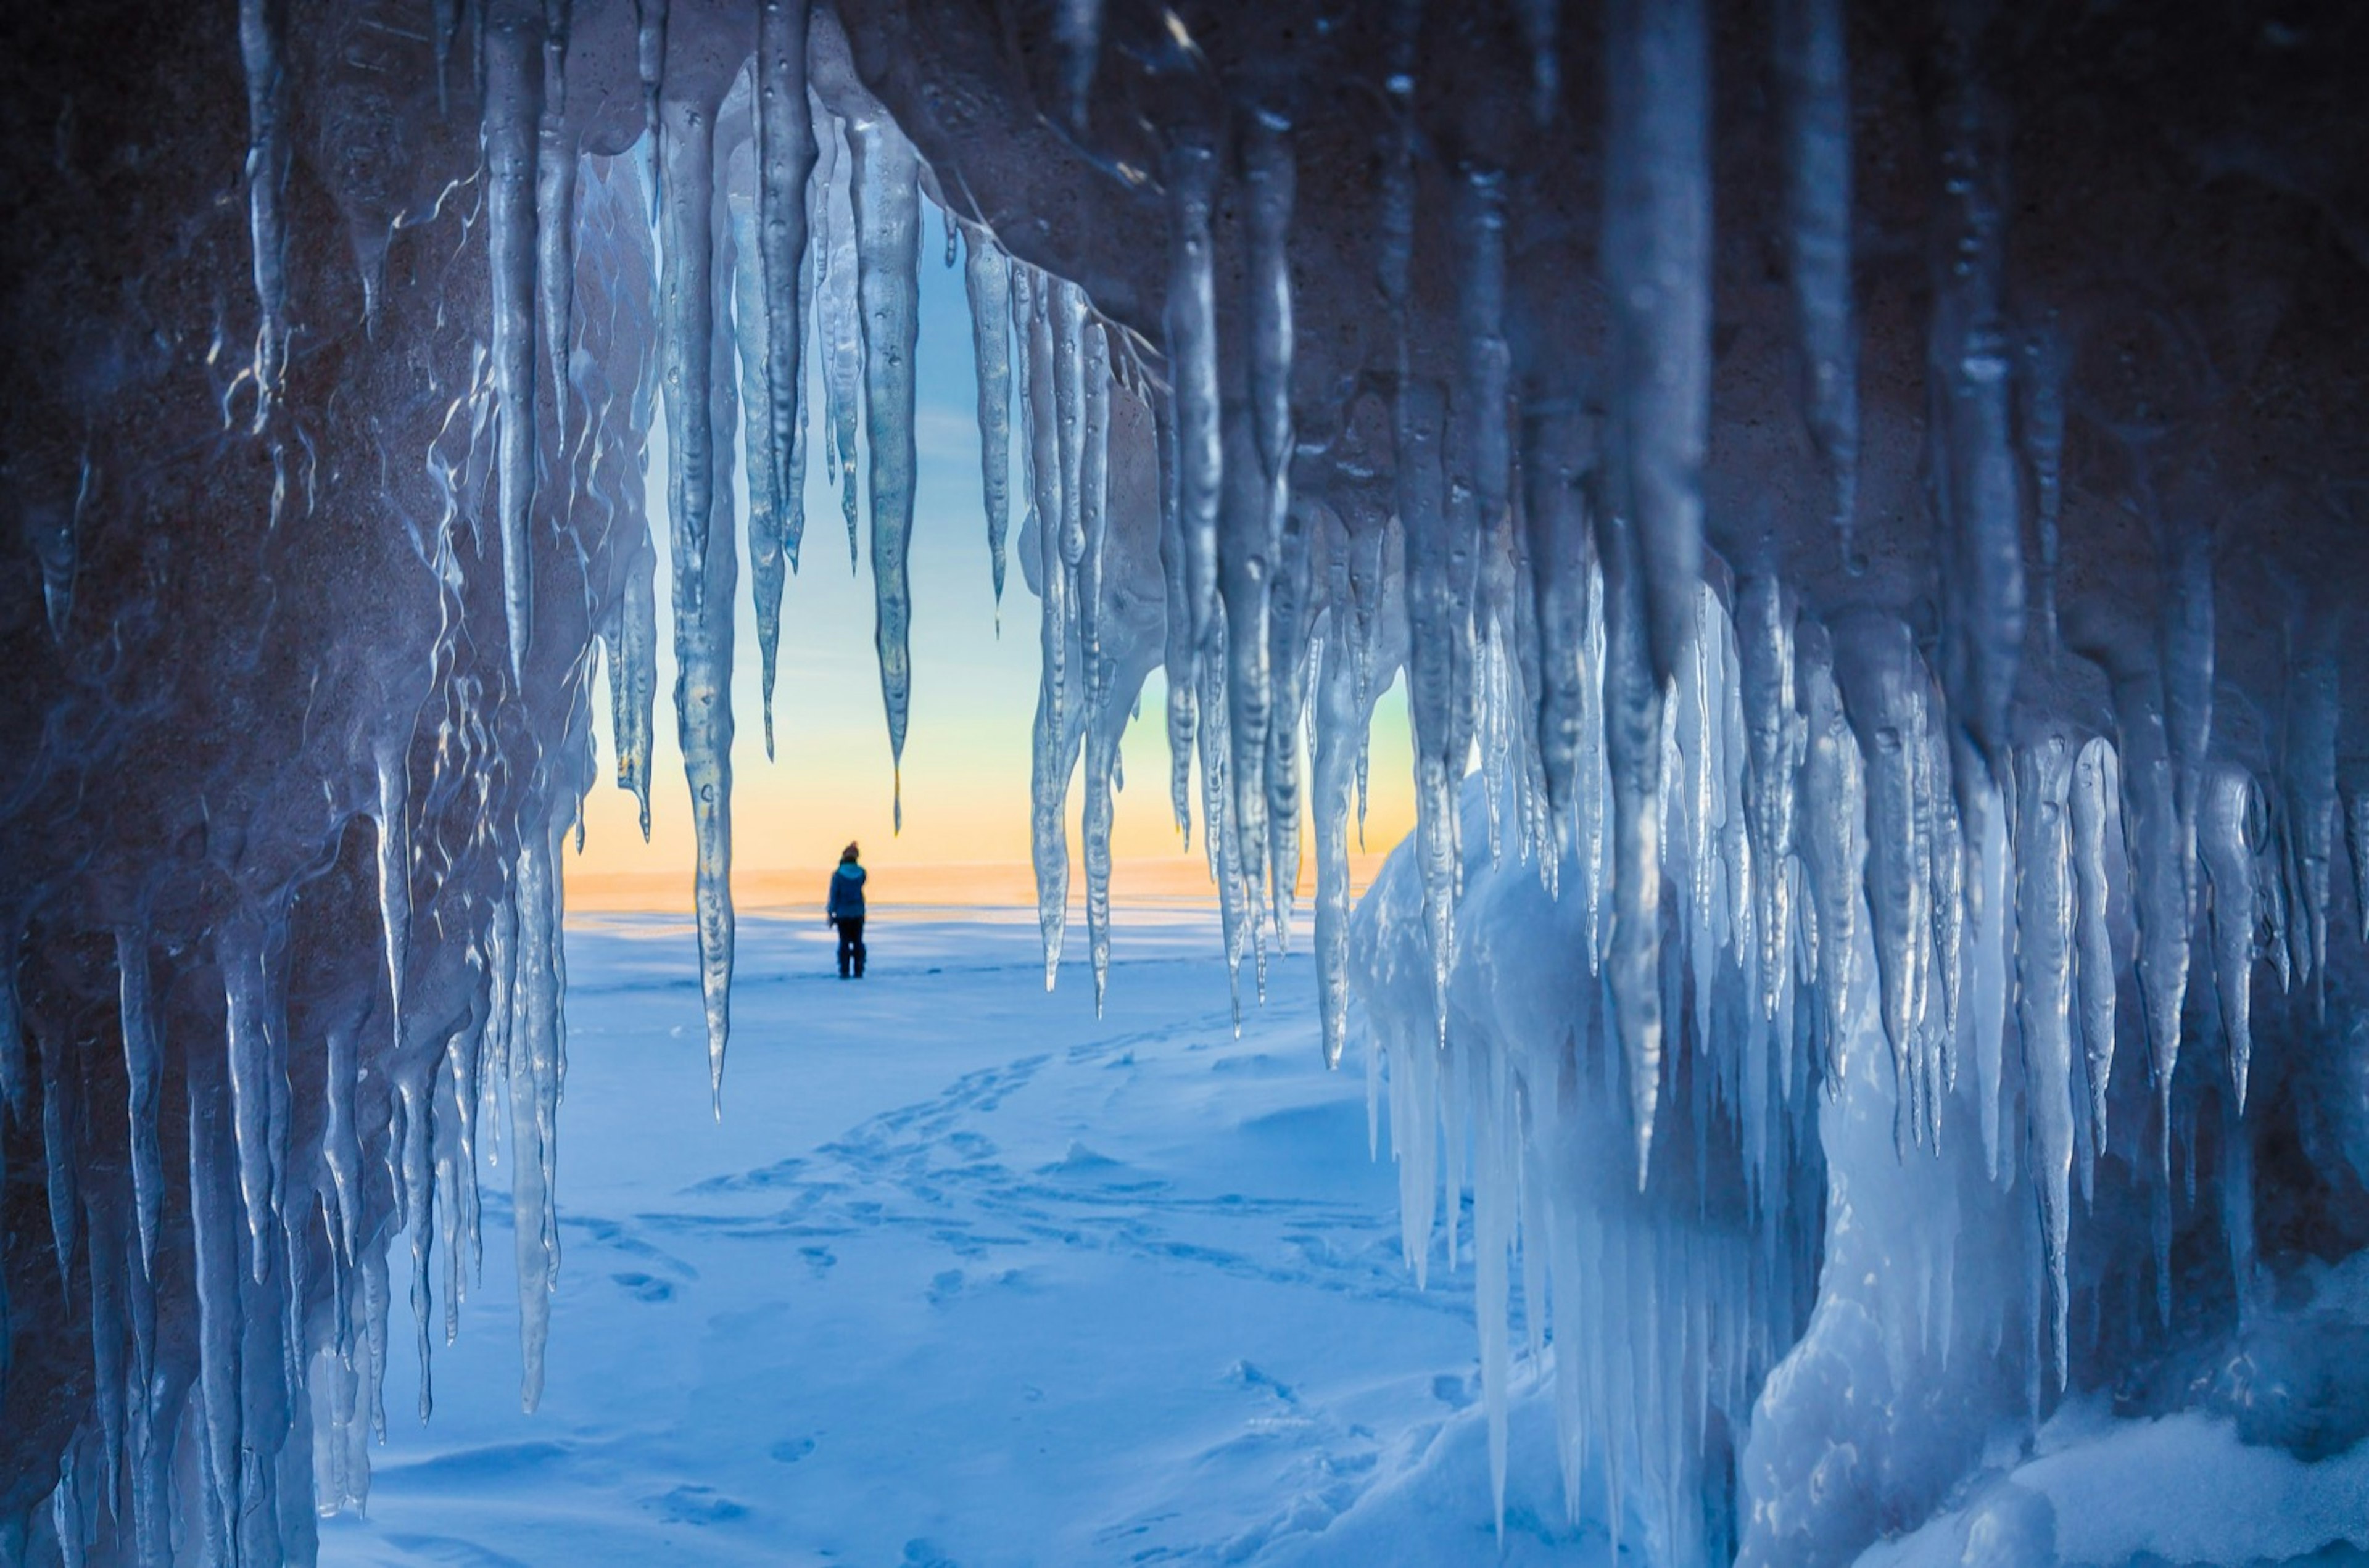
(1996,369)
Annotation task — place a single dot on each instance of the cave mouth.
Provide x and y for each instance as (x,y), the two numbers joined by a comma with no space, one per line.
(1859,504)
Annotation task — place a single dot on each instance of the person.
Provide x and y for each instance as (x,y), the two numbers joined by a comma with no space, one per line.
(845,911)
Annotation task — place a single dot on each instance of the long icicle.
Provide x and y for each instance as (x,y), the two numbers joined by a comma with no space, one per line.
(514,75)
(888,261)
(786,161)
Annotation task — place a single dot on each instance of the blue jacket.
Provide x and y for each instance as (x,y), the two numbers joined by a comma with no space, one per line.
(846,893)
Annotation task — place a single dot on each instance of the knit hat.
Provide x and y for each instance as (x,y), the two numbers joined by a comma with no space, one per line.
(848,853)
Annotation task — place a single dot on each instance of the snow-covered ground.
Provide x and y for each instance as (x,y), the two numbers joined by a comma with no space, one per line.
(964,1275)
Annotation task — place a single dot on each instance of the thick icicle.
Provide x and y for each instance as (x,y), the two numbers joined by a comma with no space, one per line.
(2097,785)
(1833,797)
(1633,702)
(1093,501)
(1434,683)
(514,35)
(1969,390)
(987,278)
(144,1064)
(687,144)
(2044,990)
(393,824)
(785,160)
(2228,828)
(768,562)
(1192,329)
(1053,748)
(1270,183)
(888,264)
(702,398)
(1656,246)
(2187,658)
(1246,559)
(1813,76)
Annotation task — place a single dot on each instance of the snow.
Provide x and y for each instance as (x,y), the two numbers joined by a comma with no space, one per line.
(963,1275)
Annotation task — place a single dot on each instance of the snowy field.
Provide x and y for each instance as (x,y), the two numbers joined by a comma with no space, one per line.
(965,1277)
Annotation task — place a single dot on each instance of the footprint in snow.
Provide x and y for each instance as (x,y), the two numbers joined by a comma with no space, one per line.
(789,1452)
(699,1505)
(643,1288)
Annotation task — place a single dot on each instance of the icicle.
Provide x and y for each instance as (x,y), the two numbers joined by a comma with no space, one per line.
(1288,643)
(1656,251)
(633,667)
(1478,222)
(393,824)
(1192,328)
(1270,181)
(888,261)
(1433,606)
(768,561)
(213,1224)
(786,155)
(240,953)
(61,1143)
(837,302)
(987,278)
(1094,496)
(535,1073)
(1340,719)
(1246,560)
(143,1065)
(1882,682)
(1078,35)
(2228,822)
(2160,876)
(1558,462)
(1180,655)
(262,46)
(1102,737)
(1055,737)
(2308,781)
(2097,785)
(1967,382)
(2041,417)
(702,398)
(556,157)
(769,316)
(1633,703)
(687,149)
(514,36)
(341,1138)
(1775,739)
(2044,990)
(1813,76)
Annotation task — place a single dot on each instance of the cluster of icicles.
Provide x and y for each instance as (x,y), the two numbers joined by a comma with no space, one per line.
(1845,874)
(1836,824)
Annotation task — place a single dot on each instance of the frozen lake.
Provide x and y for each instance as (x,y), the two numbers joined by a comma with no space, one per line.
(966,1276)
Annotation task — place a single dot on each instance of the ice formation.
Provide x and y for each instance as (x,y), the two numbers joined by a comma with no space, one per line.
(1862,502)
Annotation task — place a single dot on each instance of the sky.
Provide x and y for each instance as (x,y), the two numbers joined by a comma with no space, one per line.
(974,695)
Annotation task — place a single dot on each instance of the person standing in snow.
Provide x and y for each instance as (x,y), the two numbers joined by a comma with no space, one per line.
(845,911)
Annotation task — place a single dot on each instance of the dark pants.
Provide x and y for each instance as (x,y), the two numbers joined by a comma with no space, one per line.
(850,943)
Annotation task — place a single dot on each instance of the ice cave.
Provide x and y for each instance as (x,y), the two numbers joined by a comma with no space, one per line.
(1863,503)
